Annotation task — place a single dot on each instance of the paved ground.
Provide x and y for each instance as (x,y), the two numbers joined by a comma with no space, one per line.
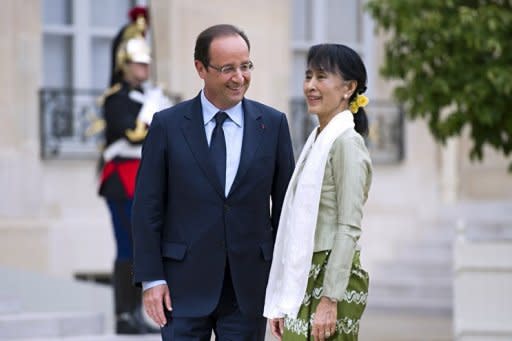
(405,326)
(375,326)
(395,326)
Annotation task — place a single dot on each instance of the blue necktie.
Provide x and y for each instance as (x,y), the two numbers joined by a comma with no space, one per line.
(218,147)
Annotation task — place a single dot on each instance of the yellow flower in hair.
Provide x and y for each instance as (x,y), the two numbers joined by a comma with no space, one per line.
(359,102)
(362,100)
(353,107)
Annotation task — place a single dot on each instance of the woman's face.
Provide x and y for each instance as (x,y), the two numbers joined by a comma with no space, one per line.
(326,93)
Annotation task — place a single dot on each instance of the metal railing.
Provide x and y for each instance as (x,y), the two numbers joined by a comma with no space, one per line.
(65,116)
(385,140)
(67,120)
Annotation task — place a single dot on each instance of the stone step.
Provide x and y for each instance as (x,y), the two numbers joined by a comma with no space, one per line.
(397,303)
(105,337)
(9,305)
(420,279)
(56,324)
(412,280)
(440,281)
(413,273)
(404,290)
(113,337)
(431,242)
(411,269)
(426,253)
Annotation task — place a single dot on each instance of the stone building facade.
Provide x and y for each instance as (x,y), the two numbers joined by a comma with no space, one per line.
(51,219)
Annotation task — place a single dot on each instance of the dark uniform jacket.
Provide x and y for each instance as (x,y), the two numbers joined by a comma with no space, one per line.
(118,174)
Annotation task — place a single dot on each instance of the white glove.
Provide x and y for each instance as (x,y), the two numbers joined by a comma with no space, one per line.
(154,101)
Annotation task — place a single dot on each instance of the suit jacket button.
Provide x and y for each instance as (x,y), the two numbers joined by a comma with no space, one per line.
(226,207)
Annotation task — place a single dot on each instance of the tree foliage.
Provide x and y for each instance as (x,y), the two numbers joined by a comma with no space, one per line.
(454,60)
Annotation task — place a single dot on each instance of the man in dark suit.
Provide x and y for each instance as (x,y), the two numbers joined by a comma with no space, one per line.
(210,187)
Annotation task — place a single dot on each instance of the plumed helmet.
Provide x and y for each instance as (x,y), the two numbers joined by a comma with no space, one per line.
(124,52)
(135,50)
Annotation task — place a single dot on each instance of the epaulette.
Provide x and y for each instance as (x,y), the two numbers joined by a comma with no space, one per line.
(107,93)
(138,133)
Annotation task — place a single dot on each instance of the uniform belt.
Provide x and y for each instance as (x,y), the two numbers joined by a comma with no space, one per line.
(122,148)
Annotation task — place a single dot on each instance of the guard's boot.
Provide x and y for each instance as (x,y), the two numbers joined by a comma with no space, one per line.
(128,302)
(125,299)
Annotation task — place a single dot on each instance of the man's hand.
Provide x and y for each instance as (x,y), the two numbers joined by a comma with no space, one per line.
(324,325)
(277,327)
(154,299)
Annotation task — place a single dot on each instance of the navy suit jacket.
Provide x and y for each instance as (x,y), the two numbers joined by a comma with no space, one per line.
(184,227)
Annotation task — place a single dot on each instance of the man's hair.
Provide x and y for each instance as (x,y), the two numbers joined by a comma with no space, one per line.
(205,38)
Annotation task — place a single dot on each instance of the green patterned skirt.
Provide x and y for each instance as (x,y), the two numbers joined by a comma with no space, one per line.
(350,309)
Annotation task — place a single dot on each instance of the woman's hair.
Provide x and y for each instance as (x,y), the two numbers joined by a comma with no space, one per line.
(342,60)
(205,38)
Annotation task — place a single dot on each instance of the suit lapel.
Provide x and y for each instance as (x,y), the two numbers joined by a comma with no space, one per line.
(253,132)
(193,129)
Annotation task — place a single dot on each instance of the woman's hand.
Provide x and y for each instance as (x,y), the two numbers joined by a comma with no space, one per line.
(277,327)
(324,324)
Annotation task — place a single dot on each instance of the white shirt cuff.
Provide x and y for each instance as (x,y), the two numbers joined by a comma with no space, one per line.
(151,284)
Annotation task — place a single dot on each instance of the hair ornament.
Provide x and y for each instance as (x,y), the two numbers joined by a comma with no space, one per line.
(359,102)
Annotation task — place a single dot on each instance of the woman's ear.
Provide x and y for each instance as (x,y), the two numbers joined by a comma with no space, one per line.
(352,86)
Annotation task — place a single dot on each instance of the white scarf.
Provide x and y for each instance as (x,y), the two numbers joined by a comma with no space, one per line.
(294,245)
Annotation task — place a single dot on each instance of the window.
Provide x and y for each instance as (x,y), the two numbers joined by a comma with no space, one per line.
(76,41)
(77,37)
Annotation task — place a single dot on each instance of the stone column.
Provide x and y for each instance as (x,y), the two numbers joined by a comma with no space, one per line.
(21,225)
(20,67)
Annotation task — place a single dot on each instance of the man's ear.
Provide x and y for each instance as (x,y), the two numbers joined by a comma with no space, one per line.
(200,68)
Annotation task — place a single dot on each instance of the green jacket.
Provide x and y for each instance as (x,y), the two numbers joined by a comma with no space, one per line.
(347,180)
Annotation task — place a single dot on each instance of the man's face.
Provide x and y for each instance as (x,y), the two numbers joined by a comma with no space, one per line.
(225,90)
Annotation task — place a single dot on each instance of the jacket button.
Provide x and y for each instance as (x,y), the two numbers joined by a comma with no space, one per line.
(226,207)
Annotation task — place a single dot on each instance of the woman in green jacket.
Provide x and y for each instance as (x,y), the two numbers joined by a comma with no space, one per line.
(317,288)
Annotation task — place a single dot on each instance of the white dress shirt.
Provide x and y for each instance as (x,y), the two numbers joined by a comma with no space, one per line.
(233,132)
